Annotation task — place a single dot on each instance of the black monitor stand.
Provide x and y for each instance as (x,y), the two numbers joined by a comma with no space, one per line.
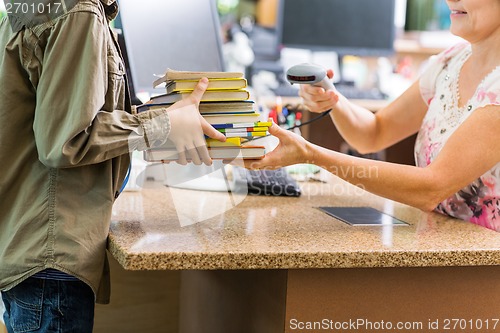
(121,42)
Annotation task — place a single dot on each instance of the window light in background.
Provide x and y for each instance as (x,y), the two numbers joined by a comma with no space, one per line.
(2,9)
(422,15)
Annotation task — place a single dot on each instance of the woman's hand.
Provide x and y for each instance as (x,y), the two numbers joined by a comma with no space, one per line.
(188,128)
(316,99)
(292,149)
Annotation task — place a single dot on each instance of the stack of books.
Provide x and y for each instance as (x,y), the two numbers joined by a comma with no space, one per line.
(226,105)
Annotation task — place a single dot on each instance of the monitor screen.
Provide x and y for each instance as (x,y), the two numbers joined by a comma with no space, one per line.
(354,27)
(161,34)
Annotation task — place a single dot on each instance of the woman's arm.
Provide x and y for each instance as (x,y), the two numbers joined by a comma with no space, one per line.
(364,130)
(470,152)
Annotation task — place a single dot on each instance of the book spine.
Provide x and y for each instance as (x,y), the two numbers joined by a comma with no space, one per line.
(243,129)
(243,124)
(245,134)
(229,112)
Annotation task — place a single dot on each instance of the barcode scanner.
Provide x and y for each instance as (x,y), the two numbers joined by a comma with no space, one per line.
(309,74)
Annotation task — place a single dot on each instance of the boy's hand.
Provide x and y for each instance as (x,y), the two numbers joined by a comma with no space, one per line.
(188,128)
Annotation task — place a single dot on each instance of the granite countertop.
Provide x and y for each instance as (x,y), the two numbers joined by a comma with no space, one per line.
(259,232)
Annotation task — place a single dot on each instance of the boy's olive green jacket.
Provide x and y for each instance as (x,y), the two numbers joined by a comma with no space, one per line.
(66,130)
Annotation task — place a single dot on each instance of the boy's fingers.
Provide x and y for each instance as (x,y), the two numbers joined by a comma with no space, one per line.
(199,90)
(203,153)
(211,131)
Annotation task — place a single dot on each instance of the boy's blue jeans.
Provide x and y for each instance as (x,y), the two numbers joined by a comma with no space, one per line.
(49,306)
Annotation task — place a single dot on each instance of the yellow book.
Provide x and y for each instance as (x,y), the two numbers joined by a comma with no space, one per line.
(210,95)
(213,84)
(230,142)
(172,75)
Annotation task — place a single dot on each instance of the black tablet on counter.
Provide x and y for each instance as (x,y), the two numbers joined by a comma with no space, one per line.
(362,216)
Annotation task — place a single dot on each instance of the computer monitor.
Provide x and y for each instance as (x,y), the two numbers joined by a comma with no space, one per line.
(348,27)
(182,35)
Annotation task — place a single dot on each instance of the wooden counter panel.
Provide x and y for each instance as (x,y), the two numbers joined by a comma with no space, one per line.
(247,301)
(141,301)
(406,295)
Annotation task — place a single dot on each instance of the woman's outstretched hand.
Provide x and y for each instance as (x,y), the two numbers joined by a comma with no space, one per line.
(292,149)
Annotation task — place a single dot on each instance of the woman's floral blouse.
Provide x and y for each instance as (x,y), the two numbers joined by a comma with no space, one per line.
(479,202)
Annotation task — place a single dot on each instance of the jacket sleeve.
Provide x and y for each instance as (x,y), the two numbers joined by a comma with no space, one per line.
(70,126)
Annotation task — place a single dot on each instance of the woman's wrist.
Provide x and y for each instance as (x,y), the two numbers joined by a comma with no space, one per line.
(310,153)
(339,105)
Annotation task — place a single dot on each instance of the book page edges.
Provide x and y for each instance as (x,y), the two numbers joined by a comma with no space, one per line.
(172,74)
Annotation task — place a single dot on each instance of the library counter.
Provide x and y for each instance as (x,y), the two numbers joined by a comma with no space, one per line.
(286,232)
(276,264)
